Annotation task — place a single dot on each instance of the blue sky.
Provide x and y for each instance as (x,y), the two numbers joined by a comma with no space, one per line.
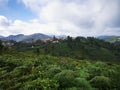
(16,10)
(60,17)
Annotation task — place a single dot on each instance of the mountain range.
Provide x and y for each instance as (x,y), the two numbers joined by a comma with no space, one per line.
(22,37)
(37,36)
(111,39)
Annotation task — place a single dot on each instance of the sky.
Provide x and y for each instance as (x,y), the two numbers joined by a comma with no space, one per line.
(60,17)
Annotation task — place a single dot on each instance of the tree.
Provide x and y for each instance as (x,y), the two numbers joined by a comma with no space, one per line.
(70,42)
(54,38)
(37,51)
(1,47)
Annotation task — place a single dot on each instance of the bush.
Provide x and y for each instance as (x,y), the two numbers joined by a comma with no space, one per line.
(100,82)
(52,71)
(82,83)
(65,78)
(41,84)
(115,79)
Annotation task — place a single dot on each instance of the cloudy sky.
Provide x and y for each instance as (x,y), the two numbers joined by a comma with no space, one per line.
(60,17)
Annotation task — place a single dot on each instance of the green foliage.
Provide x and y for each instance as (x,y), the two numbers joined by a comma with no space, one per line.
(83,84)
(77,48)
(101,82)
(41,84)
(37,51)
(72,88)
(65,78)
(1,47)
(52,71)
(115,78)
(26,71)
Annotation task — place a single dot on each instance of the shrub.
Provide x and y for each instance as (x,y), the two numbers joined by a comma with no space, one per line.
(82,83)
(101,82)
(52,71)
(65,78)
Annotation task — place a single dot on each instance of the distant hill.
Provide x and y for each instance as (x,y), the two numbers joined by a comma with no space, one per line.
(111,39)
(18,37)
(1,36)
(104,37)
(114,39)
(22,37)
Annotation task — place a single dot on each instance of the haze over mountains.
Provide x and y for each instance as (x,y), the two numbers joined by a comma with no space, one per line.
(22,37)
(111,39)
(37,36)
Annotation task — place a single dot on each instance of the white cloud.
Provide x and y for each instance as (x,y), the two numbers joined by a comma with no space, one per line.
(76,16)
(4,21)
(18,26)
(70,17)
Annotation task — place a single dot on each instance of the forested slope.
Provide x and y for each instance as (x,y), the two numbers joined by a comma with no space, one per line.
(78,48)
(23,71)
(71,64)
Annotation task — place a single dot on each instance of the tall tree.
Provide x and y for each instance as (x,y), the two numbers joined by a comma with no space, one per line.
(1,47)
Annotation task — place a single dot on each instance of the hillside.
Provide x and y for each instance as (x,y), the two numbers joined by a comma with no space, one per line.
(78,48)
(25,71)
(114,39)
(111,39)
(70,64)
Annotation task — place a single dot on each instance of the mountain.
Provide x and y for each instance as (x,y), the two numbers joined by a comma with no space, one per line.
(1,36)
(22,37)
(111,39)
(35,36)
(104,37)
(15,37)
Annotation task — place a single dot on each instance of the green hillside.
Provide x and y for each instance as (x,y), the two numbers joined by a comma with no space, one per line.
(113,39)
(78,48)
(30,72)
(60,64)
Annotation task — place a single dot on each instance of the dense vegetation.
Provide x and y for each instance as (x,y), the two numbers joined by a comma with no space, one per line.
(44,72)
(70,64)
(79,47)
